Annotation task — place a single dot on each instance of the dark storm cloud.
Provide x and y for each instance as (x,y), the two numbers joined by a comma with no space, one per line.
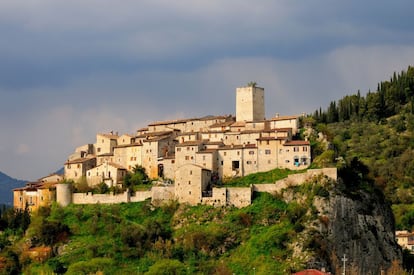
(70,69)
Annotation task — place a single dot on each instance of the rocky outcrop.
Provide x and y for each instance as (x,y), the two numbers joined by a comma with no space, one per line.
(357,223)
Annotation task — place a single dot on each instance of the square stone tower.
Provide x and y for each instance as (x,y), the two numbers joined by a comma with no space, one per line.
(250,104)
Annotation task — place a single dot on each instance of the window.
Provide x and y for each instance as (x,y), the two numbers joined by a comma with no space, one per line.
(305,149)
(269,161)
(225,153)
(221,162)
(172,161)
(295,149)
(68,166)
(191,172)
(187,157)
(268,152)
(238,153)
(188,148)
(189,182)
(249,162)
(235,164)
(204,157)
(267,142)
(251,152)
(178,149)
(98,149)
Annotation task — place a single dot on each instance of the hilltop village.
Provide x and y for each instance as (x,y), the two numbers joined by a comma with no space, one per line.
(191,154)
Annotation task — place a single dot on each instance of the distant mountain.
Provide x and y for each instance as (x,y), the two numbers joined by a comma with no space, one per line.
(7,184)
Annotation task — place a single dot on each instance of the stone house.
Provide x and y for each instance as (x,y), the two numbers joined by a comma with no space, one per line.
(75,169)
(192,182)
(405,239)
(34,195)
(105,143)
(226,146)
(108,172)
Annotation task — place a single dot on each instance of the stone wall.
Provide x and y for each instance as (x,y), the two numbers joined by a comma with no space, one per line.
(239,196)
(295,179)
(218,198)
(90,198)
(161,194)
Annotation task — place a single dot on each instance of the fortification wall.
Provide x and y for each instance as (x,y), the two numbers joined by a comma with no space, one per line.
(89,198)
(63,194)
(160,194)
(218,197)
(295,179)
(140,196)
(239,196)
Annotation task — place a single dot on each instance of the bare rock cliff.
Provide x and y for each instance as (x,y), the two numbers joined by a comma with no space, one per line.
(357,223)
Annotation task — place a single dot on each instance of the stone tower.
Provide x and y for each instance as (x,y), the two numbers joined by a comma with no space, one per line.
(64,194)
(250,104)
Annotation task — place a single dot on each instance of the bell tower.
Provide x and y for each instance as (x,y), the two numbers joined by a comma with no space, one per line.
(250,103)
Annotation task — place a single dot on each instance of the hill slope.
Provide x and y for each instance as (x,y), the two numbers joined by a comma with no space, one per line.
(278,234)
(7,184)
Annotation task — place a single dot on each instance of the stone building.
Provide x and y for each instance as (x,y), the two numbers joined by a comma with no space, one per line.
(220,146)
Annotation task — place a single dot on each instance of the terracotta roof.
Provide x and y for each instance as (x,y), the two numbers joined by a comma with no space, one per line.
(214,143)
(158,138)
(106,155)
(231,147)
(110,136)
(404,235)
(222,124)
(154,134)
(284,118)
(252,131)
(207,151)
(47,185)
(239,124)
(129,145)
(191,143)
(80,160)
(270,138)
(116,165)
(187,134)
(282,129)
(296,142)
(213,117)
(166,122)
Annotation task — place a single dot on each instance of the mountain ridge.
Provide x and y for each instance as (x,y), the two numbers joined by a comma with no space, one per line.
(7,184)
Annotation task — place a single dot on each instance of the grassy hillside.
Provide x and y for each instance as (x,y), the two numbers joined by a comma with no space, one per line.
(377,129)
(135,237)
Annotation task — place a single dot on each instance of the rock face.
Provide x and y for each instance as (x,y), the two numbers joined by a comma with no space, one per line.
(360,225)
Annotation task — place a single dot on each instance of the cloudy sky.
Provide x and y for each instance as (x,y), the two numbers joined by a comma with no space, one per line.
(70,69)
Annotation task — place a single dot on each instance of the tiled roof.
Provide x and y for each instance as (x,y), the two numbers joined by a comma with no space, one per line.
(191,143)
(80,160)
(222,124)
(296,142)
(239,124)
(283,118)
(129,145)
(154,134)
(110,136)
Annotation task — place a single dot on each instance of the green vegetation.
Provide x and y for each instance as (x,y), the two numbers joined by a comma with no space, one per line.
(175,239)
(261,177)
(378,131)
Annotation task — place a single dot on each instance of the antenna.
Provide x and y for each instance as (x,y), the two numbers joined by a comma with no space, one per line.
(344,259)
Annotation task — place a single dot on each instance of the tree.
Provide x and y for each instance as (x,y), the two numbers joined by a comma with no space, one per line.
(138,177)
(252,84)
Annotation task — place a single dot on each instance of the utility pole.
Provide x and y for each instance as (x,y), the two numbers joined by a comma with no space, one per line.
(344,259)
